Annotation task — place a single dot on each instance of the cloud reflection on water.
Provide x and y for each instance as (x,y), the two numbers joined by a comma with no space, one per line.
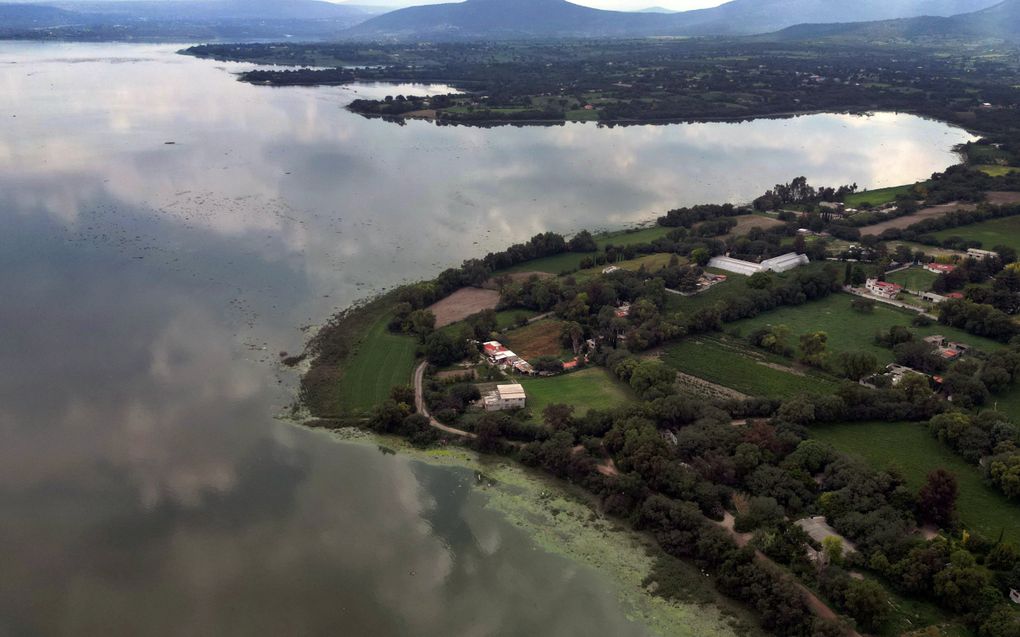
(144,487)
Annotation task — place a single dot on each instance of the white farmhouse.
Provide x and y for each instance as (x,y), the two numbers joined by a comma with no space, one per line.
(506,397)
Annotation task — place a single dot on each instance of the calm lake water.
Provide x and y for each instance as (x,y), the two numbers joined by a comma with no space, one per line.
(148,288)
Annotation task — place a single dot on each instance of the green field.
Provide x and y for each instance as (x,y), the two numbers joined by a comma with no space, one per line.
(572,260)
(382,360)
(915,452)
(732,363)
(1004,232)
(591,388)
(877,197)
(850,330)
(994,170)
(734,286)
(915,278)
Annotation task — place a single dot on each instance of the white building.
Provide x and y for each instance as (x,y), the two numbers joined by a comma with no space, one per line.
(734,265)
(782,263)
(785,262)
(981,254)
(506,397)
(883,289)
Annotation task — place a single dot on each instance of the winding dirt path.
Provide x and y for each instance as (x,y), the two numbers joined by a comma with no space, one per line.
(419,404)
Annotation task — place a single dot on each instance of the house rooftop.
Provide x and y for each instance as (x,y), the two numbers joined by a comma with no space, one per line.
(508,392)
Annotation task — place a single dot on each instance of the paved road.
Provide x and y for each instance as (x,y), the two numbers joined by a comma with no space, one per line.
(419,404)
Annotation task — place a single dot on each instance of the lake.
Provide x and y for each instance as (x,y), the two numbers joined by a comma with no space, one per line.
(168,232)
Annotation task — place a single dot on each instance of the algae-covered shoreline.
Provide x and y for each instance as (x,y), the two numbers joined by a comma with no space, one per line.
(563,521)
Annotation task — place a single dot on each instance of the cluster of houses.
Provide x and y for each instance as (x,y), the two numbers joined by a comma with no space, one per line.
(946,349)
(498,355)
(782,263)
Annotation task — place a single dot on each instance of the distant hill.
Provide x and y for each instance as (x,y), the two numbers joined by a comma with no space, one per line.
(1001,22)
(748,17)
(505,19)
(182,19)
(31,16)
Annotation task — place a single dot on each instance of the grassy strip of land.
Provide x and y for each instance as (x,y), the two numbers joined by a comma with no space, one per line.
(997,232)
(878,197)
(732,363)
(591,388)
(910,448)
(916,278)
(379,361)
(569,261)
(850,330)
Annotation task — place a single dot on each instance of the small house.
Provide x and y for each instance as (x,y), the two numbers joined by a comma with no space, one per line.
(939,268)
(506,397)
(883,289)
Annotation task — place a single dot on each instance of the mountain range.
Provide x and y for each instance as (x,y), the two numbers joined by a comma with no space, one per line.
(509,19)
(1001,22)
(502,20)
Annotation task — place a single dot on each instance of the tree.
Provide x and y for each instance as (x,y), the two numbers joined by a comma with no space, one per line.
(759,281)
(421,323)
(700,256)
(813,348)
(573,333)
(857,365)
(558,415)
(863,305)
(867,602)
(937,498)
(652,379)
(403,395)
(583,242)
(858,276)
(832,546)
(442,349)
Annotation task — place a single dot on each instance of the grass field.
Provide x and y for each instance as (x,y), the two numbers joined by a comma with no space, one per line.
(732,363)
(877,197)
(915,278)
(915,452)
(591,388)
(1005,232)
(381,361)
(572,260)
(735,285)
(994,170)
(542,338)
(849,330)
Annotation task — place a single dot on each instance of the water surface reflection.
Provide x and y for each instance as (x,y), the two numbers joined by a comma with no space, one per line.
(145,488)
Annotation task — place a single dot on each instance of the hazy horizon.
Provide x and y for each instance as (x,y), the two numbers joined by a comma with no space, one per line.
(618,5)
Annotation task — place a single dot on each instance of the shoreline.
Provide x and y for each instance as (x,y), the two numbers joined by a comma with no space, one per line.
(562,521)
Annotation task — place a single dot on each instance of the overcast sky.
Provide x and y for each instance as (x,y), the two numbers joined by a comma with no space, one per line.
(621,5)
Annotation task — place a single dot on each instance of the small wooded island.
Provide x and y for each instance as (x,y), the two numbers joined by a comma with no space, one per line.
(812,398)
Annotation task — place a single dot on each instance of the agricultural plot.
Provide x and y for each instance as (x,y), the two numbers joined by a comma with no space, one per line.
(849,330)
(910,448)
(915,278)
(997,232)
(542,338)
(732,363)
(381,361)
(591,388)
